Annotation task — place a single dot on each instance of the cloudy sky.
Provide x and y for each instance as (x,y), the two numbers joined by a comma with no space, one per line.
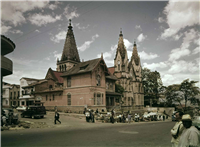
(167,35)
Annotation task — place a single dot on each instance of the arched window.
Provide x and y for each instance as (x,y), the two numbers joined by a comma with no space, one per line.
(69,99)
(98,80)
(118,65)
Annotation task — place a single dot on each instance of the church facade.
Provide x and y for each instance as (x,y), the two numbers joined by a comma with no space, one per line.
(76,85)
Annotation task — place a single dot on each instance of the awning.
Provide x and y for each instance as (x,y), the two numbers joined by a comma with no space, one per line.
(113,93)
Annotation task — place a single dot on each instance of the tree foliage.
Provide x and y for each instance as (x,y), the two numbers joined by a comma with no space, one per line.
(152,83)
(182,93)
(119,88)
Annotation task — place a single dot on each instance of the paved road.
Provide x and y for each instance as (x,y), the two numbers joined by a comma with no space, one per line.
(150,134)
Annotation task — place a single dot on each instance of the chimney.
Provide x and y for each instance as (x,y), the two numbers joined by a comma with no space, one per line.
(101,55)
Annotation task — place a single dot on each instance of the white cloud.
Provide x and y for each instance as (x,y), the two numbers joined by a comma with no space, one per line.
(155,66)
(183,66)
(177,37)
(146,56)
(196,50)
(70,12)
(57,55)
(80,27)
(141,37)
(177,53)
(13,12)
(128,44)
(180,14)
(55,5)
(16,32)
(58,37)
(5,29)
(160,20)
(37,31)
(86,45)
(39,19)
(138,27)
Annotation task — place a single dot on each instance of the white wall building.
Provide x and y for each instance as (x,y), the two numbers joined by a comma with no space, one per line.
(26,96)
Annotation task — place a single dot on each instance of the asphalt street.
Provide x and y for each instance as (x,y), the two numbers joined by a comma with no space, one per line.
(76,132)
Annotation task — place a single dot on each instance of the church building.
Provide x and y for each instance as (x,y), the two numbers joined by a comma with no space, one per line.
(76,85)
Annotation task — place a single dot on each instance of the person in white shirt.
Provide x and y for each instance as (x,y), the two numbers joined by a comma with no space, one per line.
(177,130)
(190,136)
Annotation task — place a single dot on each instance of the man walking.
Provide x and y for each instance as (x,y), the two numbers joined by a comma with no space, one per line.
(177,130)
(57,118)
(190,136)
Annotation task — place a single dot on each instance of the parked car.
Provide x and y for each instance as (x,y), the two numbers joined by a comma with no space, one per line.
(21,108)
(196,122)
(11,117)
(34,111)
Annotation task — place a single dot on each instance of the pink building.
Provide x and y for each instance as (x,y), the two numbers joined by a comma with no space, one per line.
(76,85)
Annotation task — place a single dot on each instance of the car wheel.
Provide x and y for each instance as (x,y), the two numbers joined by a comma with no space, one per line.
(42,116)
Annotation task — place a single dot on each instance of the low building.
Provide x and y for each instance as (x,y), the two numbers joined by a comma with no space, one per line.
(26,95)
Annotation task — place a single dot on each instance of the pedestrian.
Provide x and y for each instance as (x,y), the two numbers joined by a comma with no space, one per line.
(129,118)
(57,116)
(4,120)
(163,117)
(97,111)
(112,117)
(177,130)
(190,136)
(123,118)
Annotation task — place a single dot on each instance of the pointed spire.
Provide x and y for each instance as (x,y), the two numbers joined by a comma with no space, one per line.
(135,54)
(121,48)
(70,51)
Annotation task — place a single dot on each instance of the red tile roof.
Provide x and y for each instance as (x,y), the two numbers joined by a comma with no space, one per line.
(58,76)
(111,70)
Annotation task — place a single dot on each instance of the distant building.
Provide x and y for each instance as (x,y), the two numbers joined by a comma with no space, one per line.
(26,94)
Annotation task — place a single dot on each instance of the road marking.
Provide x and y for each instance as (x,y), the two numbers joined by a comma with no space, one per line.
(128,132)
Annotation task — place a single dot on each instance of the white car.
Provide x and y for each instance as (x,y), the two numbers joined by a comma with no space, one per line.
(21,108)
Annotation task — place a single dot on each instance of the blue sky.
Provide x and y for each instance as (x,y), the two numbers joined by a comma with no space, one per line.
(166,33)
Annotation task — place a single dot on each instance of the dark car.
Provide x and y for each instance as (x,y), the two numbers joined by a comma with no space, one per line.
(34,111)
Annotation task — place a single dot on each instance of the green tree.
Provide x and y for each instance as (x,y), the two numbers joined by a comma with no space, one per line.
(182,93)
(119,88)
(153,85)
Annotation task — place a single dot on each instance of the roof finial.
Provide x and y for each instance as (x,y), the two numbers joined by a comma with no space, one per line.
(120,32)
(70,26)
(134,42)
(101,55)
(70,22)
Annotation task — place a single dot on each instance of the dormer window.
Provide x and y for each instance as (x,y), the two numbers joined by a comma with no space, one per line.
(84,67)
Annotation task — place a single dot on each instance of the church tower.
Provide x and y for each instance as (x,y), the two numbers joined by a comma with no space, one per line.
(70,55)
(121,58)
(136,70)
